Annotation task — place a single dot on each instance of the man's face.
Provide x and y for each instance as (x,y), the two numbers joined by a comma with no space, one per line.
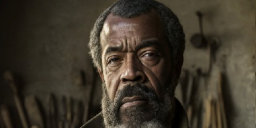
(136,66)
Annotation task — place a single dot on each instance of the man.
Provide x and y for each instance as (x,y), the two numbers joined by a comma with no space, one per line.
(137,47)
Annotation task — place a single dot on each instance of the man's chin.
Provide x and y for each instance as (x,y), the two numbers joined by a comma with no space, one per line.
(135,106)
(135,112)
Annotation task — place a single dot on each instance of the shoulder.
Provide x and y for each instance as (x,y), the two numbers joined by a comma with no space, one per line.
(180,117)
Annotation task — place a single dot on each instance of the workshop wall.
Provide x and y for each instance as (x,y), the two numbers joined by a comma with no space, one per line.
(44,43)
(232,24)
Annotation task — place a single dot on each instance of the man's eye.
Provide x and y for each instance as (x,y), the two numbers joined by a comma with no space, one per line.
(150,55)
(150,58)
(114,60)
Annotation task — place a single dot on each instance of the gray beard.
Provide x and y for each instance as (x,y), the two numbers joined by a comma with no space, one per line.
(161,109)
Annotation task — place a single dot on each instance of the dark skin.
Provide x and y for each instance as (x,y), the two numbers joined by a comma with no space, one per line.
(134,50)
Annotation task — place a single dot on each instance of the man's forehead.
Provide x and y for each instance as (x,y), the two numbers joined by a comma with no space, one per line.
(118,27)
(114,21)
(124,26)
(146,23)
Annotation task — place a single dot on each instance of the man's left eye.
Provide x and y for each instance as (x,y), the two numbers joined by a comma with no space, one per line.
(150,57)
(150,54)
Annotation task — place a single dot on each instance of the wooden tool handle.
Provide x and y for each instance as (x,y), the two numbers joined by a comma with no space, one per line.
(8,76)
(6,116)
(33,112)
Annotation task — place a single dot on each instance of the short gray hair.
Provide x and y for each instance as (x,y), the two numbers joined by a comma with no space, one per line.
(133,8)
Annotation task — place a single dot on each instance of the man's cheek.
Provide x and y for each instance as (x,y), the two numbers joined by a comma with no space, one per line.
(159,76)
(162,72)
(152,80)
(112,84)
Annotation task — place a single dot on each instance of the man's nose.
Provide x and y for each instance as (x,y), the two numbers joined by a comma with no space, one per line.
(132,72)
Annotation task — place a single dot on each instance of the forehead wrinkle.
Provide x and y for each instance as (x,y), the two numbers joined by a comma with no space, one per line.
(125,43)
(135,39)
(147,43)
(118,47)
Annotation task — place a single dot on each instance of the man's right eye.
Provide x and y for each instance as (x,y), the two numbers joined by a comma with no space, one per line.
(113,60)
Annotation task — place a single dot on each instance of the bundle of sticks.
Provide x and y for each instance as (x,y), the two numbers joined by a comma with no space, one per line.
(203,99)
(69,114)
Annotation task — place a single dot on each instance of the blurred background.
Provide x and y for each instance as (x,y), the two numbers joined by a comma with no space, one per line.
(47,78)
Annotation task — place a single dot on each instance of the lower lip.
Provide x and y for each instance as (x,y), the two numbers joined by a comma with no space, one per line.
(133,103)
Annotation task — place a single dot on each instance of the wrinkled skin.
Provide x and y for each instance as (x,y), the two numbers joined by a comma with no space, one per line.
(135,52)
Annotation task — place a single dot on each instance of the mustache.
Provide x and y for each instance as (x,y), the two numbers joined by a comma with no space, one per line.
(135,90)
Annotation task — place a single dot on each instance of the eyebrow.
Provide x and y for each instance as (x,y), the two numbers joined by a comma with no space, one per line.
(147,43)
(113,49)
(143,44)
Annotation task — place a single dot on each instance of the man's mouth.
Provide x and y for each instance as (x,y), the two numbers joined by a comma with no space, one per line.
(132,101)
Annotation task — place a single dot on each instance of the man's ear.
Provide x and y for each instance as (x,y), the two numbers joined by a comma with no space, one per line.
(101,74)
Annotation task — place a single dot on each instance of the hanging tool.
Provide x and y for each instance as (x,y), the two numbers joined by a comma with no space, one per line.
(221,102)
(201,58)
(206,120)
(8,76)
(198,40)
